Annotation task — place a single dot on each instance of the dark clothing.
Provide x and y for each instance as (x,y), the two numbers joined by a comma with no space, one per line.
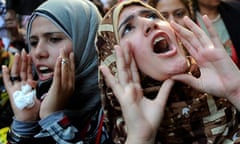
(23,7)
(230,13)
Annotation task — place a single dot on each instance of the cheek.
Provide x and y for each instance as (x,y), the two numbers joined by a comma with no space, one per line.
(68,48)
(33,58)
(180,21)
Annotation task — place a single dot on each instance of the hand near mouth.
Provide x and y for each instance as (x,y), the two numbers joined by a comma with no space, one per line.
(219,74)
(141,114)
(62,86)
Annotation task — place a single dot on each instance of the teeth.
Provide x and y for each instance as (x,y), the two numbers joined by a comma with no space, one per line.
(43,68)
(158,39)
(47,74)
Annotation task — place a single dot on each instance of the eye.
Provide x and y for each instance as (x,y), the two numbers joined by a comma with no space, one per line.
(152,16)
(33,43)
(55,39)
(128,28)
(165,15)
(180,13)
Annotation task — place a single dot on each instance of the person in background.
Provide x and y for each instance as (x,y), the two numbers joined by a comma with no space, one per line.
(15,34)
(173,10)
(223,15)
(107,4)
(140,53)
(3,30)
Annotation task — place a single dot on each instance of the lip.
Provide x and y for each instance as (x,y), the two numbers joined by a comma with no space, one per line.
(41,76)
(173,49)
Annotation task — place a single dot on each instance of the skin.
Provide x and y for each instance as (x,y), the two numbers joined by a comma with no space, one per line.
(11,20)
(219,76)
(46,41)
(140,32)
(49,47)
(209,3)
(173,10)
(209,7)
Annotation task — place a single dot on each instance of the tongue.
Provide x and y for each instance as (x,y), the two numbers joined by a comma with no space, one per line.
(161,47)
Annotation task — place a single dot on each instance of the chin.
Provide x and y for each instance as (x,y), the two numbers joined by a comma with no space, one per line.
(178,67)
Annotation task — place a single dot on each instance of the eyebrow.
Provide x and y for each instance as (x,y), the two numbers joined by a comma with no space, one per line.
(49,33)
(130,17)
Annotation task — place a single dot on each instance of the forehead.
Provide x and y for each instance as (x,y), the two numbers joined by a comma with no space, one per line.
(133,9)
(165,5)
(42,24)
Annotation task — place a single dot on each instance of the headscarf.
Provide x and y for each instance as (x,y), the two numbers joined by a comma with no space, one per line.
(79,20)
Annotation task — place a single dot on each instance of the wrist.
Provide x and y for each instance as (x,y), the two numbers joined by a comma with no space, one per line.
(140,139)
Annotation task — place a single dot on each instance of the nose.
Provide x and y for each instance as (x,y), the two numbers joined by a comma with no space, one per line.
(171,18)
(40,51)
(149,26)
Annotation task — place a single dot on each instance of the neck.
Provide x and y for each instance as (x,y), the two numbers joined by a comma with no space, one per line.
(212,12)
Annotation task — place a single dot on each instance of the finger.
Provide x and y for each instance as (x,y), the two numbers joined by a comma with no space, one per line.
(72,67)
(164,92)
(16,67)
(6,78)
(134,70)
(57,73)
(187,37)
(64,67)
(110,79)
(198,32)
(131,68)
(161,99)
(187,79)
(8,84)
(24,65)
(30,79)
(188,46)
(212,32)
(122,66)
(29,68)
(126,53)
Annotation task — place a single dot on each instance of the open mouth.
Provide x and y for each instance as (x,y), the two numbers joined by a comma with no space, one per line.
(160,45)
(45,72)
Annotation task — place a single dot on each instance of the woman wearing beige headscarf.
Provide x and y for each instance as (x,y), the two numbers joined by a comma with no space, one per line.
(134,37)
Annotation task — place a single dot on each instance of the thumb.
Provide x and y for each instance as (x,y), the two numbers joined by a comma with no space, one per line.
(187,79)
(164,92)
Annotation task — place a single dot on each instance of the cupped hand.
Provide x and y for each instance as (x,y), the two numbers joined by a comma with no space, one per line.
(62,87)
(219,75)
(21,68)
(142,116)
